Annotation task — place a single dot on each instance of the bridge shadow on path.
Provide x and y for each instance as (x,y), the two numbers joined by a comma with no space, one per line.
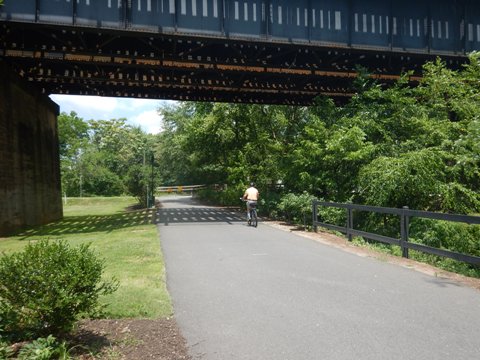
(179,209)
(196,215)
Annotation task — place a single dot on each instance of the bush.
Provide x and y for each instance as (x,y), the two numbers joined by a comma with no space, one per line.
(231,195)
(297,208)
(209,196)
(46,288)
(269,204)
(103,182)
(332,215)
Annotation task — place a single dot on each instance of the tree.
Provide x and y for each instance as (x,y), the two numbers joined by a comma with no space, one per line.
(105,157)
(73,141)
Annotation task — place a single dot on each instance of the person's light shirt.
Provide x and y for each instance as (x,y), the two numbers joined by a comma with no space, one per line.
(252,194)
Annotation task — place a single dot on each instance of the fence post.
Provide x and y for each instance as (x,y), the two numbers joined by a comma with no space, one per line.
(314,215)
(349,223)
(404,225)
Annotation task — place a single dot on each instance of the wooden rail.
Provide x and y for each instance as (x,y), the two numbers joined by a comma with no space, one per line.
(405,214)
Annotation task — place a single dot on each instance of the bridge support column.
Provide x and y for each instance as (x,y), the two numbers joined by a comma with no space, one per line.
(30,188)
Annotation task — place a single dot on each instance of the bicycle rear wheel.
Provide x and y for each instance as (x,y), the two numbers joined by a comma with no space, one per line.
(254,218)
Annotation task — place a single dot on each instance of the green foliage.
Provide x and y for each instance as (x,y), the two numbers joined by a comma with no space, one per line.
(138,181)
(47,287)
(413,179)
(230,195)
(73,139)
(457,237)
(456,198)
(98,179)
(107,158)
(209,196)
(6,351)
(331,215)
(390,146)
(72,134)
(297,208)
(268,204)
(44,349)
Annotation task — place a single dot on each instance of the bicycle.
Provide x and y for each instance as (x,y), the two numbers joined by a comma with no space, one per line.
(253,220)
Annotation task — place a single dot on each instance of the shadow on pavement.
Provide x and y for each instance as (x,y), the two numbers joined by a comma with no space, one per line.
(166,216)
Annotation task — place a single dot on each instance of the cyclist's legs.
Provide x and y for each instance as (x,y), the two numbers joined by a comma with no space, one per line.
(250,204)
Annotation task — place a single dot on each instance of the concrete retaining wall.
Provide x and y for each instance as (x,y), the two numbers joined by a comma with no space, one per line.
(30,190)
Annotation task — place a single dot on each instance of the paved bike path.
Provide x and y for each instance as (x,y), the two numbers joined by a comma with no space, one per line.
(261,294)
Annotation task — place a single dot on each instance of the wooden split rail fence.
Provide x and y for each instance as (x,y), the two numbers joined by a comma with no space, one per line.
(405,215)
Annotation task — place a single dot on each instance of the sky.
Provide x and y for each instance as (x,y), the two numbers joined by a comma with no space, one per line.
(141,112)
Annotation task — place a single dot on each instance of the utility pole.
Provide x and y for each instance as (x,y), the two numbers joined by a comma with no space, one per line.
(143,173)
(81,184)
(151,181)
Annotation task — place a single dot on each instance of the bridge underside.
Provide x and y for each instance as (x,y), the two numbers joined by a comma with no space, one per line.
(85,61)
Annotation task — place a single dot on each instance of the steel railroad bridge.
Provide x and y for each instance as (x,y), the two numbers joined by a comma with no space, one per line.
(254,51)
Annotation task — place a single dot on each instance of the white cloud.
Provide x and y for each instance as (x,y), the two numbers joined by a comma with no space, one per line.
(141,112)
(149,121)
(87,107)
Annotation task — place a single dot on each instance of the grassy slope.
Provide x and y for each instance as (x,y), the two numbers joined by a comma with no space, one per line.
(128,242)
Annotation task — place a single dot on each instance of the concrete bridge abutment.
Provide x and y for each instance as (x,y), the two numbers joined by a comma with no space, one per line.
(30,186)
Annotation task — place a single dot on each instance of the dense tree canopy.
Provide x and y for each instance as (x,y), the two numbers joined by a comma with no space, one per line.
(100,157)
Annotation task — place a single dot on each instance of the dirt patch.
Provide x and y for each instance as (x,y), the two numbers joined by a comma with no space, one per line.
(130,339)
(344,244)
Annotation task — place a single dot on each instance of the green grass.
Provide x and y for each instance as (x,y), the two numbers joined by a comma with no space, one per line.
(97,205)
(128,242)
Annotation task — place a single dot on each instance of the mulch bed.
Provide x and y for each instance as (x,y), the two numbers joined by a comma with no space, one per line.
(130,339)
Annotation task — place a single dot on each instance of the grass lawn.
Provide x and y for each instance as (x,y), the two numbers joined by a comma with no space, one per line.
(128,242)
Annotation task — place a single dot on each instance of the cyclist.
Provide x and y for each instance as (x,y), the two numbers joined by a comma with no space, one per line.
(251,197)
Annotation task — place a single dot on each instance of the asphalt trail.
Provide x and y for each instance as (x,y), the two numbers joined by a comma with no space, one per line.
(266,294)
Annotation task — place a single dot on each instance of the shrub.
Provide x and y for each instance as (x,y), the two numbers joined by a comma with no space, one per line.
(332,215)
(231,195)
(47,287)
(297,208)
(209,195)
(269,203)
